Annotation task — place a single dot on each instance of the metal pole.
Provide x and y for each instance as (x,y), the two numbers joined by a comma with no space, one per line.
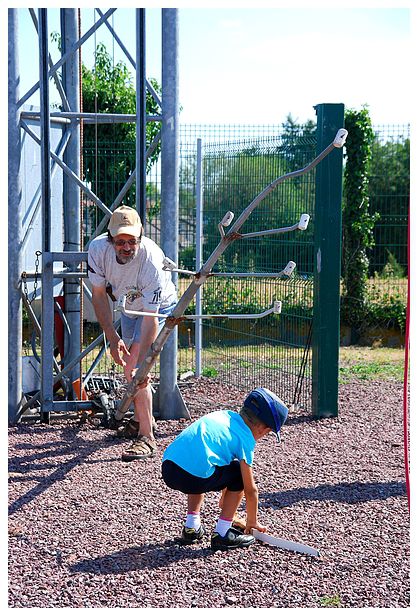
(71,191)
(141,171)
(14,224)
(47,342)
(199,254)
(170,403)
(327,241)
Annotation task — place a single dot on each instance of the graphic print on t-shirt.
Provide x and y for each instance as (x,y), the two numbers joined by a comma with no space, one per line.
(157,296)
(133,294)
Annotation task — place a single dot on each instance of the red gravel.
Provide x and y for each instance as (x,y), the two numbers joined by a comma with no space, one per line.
(87,530)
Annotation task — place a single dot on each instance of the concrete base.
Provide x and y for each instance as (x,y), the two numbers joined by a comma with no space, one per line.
(177,410)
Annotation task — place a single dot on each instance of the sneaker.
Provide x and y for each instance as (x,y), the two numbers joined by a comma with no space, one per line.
(234,538)
(190,535)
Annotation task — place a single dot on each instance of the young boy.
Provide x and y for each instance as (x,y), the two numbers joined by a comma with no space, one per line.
(216,453)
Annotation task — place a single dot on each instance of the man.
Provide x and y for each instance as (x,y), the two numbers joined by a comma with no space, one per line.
(123,262)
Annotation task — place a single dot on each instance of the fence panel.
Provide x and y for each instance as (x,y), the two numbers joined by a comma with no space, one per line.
(269,351)
(240,160)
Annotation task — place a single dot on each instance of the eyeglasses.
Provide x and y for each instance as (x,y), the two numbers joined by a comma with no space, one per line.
(123,242)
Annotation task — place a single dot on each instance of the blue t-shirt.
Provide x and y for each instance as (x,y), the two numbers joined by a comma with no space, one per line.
(213,440)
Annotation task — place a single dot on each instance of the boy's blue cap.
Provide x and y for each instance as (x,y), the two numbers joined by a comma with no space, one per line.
(268,407)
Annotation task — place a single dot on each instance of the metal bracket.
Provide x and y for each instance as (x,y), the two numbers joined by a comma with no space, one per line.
(121,307)
(287,271)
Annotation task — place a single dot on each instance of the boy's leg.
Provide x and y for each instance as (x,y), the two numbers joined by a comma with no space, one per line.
(237,521)
(193,530)
(227,537)
(229,503)
(194,502)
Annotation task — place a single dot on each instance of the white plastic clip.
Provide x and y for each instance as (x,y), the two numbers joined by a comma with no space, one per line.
(288,270)
(340,138)
(303,222)
(168,264)
(277,307)
(227,219)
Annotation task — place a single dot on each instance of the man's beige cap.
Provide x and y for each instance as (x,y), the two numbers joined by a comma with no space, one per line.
(125,220)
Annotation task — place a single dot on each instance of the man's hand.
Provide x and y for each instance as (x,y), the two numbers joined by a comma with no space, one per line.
(119,352)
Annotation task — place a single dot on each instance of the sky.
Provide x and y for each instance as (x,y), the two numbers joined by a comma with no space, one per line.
(257,65)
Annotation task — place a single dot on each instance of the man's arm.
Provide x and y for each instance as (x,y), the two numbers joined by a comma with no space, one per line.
(251,497)
(100,301)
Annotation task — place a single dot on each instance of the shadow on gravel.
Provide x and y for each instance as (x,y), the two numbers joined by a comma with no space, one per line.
(351,493)
(299,419)
(150,556)
(71,445)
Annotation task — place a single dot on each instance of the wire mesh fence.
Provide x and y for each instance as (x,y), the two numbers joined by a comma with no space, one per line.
(268,350)
(383,305)
(389,199)
(239,161)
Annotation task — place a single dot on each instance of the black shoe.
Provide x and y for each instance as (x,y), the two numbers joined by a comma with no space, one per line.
(234,538)
(190,535)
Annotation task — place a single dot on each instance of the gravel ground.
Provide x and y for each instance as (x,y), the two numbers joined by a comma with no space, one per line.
(87,530)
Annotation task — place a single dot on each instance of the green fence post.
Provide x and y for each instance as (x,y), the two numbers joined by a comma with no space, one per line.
(327,267)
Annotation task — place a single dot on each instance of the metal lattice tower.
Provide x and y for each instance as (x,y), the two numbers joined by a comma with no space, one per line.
(67,157)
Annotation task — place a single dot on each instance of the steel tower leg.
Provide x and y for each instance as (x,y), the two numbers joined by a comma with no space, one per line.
(15,225)
(71,191)
(170,403)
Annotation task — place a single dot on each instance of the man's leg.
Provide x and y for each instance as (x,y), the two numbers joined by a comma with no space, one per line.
(143,399)
(143,411)
(144,446)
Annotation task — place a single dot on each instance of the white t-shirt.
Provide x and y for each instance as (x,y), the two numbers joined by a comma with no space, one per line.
(146,285)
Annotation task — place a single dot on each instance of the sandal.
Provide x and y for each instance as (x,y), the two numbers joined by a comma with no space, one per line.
(130,429)
(142,448)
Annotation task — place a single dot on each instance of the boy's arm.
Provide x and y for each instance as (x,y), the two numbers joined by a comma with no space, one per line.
(251,498)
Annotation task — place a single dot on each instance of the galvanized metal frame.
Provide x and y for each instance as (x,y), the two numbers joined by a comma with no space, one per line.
(72,115)
(170,401)
(15,225)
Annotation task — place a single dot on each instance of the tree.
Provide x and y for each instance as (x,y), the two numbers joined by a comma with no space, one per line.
(358,221)
(109,149)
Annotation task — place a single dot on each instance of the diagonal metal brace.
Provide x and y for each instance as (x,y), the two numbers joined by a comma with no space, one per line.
(200,278)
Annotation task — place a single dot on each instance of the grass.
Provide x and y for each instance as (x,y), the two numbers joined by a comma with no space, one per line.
(371,363)
(365,363)
(333,601)
(356,362)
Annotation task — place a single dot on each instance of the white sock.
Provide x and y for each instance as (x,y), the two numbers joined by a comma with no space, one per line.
(222,527)
(193,520)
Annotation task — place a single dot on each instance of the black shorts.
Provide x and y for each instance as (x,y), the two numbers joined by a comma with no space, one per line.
(223,477)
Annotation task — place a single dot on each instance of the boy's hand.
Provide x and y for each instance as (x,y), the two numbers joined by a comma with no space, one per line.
(255,525)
